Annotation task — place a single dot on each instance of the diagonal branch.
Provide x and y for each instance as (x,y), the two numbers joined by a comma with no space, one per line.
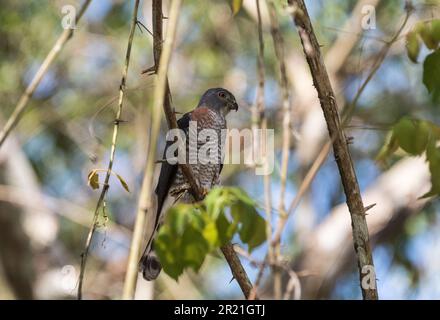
(145,197)
(112,152)
(346,118)
(237,269)
(21,106)
(343,159)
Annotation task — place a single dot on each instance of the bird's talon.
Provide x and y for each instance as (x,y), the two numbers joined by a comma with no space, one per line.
(204,192)
(176,191)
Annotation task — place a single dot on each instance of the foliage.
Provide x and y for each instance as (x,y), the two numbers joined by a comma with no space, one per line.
(429,34)
(416,137)
(190,232)
(93,179)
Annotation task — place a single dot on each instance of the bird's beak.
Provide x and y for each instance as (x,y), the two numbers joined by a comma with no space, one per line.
(234,106)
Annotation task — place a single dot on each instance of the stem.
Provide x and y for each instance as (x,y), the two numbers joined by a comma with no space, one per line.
(278,42)
(145,197)
(105,188)
(24,99)
(343,159)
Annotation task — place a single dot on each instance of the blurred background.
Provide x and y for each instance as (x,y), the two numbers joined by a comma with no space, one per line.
(46,206)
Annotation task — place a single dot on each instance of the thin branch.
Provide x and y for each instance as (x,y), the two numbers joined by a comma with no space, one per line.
(343,159)
(347,115)
(234,262)
(259,119)
(21,106)
(145,197)
(278,43)
(237,269)
(112,152)
(322,156)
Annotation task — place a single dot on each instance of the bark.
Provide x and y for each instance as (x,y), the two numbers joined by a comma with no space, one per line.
(329,107)
(327,253)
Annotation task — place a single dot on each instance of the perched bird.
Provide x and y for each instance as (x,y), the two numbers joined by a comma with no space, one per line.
(172,186)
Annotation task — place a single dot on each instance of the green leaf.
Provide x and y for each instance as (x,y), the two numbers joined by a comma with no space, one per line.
(433,156)
(190,232)
(413,46)
(391,145)
(210,232)
(123,183)
(252,229)
(425,31)
(215,201)
(435,30)
(194,248)
(236,6)
(412,135)
(225,229)
(167,247)
(431,74)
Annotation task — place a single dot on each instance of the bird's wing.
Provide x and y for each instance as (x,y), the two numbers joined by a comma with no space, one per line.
(168,171)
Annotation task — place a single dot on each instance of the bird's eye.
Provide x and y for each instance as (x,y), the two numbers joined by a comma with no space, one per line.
(222,94)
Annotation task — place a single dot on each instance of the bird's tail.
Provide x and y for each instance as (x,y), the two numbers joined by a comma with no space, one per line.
(150,265)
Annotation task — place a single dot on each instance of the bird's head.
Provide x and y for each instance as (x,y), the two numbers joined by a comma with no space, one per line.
(220,100)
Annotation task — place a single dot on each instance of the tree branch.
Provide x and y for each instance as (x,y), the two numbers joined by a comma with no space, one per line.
(112,152)
(53,53)
(234,262)
(340,148)
(278,43)
(145,197)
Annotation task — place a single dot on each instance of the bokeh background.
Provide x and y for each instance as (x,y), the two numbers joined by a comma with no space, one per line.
(46,206)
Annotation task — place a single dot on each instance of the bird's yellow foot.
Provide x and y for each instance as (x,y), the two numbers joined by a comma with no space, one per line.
(204,192)
(179,189)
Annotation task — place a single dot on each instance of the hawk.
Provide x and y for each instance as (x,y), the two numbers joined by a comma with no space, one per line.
(172,186)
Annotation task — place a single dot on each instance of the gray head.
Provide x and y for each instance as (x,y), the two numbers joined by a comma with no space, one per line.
(220,100)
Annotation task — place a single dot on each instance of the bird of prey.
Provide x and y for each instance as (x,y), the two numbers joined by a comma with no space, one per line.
(172,186)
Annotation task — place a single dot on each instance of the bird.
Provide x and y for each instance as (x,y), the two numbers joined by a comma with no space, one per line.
(172,186)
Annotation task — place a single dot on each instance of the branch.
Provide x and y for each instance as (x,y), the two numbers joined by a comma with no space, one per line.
(278,43)
(395,192)
(347,115)
(145,197)
(53,53)
(342,155)
(112,152)
(259,119)
(234,262)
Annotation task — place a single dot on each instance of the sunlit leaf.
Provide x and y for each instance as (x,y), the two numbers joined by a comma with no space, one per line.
(252,225)
(123,183)
(391,145)
(413,46)
(236,6)
(425,31)
(412,135)
(435,30)
(191,232)
(93,179)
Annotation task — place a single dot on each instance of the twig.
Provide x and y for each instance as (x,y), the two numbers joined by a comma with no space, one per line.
(234,262)
(145,197)
(342,155)
(53,53)
(278,43)
(322,156)
(261,120)
(112,152)
(237,269)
